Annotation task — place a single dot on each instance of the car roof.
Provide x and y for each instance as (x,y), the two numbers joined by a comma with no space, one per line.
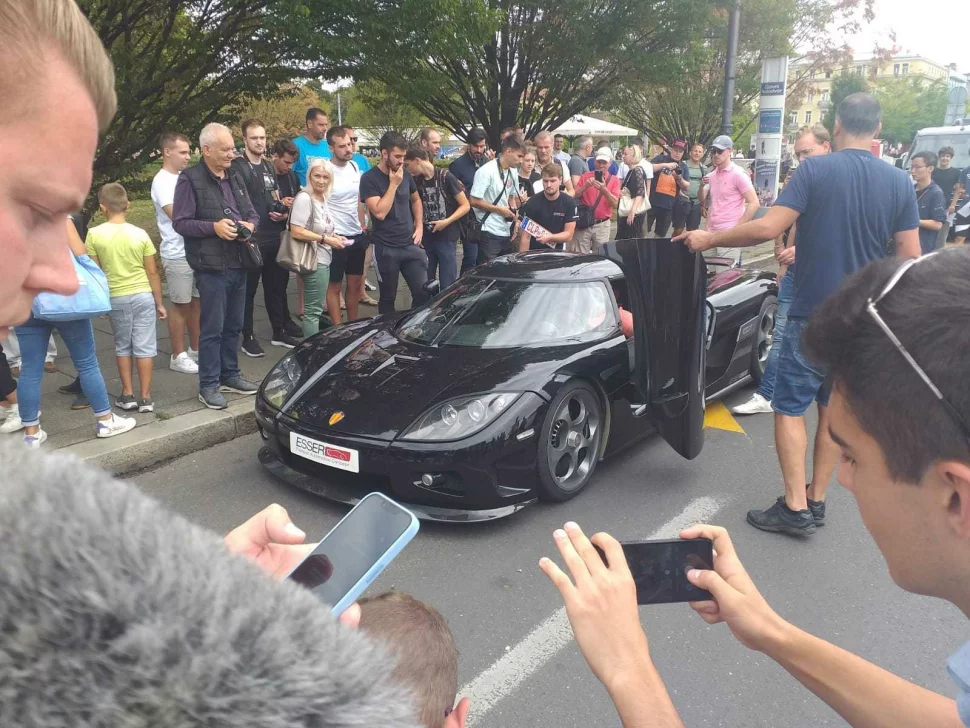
(549,266)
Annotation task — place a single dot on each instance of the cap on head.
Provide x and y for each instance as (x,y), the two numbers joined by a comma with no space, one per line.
(604,153)
(679,144)
(723,142)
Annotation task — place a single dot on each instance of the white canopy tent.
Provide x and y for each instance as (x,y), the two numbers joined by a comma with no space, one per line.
(588,126)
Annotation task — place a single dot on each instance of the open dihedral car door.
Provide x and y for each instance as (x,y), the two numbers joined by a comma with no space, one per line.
(667,286)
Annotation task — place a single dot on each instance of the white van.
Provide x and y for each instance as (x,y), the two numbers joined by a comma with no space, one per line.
(934,137)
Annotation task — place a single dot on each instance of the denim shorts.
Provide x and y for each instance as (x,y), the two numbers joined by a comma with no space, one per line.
(133,323)
(798,381)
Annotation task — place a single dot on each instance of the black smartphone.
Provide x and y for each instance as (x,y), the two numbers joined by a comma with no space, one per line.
(598,174)
(660,568)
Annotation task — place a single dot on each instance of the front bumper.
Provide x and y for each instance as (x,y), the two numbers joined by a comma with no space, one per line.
(487,476)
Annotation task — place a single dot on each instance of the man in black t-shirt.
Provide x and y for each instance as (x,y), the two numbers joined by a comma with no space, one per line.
(259,175)
(554,210)
(444,202)
(397,223)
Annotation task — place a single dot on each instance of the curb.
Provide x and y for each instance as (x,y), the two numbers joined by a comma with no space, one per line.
(167,439)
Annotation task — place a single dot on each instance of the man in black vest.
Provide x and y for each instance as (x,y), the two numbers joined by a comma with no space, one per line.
(211,205)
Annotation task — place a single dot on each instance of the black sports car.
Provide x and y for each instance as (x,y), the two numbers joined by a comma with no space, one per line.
(515,381)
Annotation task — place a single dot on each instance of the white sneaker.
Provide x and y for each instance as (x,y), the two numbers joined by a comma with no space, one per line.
(183,363)
(115,426)
(5,411)
(193,354)
(36,440)
(12,423)
(754,406)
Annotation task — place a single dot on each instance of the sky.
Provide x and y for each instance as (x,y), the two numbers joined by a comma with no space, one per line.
(936,29)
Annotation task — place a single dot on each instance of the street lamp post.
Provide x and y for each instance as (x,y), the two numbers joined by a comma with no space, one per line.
(727,114)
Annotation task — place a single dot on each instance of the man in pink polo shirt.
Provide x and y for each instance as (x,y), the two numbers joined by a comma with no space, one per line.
(733,198)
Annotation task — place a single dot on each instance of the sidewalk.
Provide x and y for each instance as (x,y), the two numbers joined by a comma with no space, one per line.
(181,424)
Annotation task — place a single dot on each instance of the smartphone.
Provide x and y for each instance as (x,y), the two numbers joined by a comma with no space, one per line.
(598,175)
(356,551)
(660,568)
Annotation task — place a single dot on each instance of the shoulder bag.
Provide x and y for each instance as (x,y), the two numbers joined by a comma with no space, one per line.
(472,227)
(626,201)
(93,297)
(295,255)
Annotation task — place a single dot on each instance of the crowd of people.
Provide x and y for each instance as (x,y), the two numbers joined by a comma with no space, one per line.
(118,612)
(222,221)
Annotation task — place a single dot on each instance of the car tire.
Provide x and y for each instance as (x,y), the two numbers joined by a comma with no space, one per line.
(763,336)
(570,442)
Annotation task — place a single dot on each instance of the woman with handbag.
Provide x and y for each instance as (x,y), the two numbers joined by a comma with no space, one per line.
(78,335)
(311,226)
(633,205)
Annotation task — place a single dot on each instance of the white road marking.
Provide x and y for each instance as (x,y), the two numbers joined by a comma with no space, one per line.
(554,633)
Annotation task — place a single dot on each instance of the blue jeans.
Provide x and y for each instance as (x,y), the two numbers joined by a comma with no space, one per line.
(786,289)
(79,337)
(799,380)
(222,297)
(443,261)
(469,258)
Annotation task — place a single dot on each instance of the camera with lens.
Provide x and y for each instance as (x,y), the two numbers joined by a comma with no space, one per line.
(243,233)
(278,207)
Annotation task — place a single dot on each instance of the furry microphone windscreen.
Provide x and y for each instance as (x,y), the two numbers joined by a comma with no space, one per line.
(115,612)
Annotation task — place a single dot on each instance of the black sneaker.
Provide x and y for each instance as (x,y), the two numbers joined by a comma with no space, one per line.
(251,347)
(782,519)
(817,508)
(72,388)
(80,402)
(285,340)
(146,404)
(293,329)
(238,385)
(127,402)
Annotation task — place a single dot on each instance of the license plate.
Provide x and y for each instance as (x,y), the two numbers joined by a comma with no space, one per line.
(342,458)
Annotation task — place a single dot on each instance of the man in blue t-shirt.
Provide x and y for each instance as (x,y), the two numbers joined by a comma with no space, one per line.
(313,143)
(850,207)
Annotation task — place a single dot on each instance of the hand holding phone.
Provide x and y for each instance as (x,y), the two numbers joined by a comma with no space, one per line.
(659,568)
(356,551)
(598,175)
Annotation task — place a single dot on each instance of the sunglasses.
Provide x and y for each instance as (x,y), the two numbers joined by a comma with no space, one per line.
(873,311)
(353,139)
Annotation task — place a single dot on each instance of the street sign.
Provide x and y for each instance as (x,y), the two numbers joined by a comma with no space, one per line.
(773,88)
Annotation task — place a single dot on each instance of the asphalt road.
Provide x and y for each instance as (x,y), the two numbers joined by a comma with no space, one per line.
(518,661)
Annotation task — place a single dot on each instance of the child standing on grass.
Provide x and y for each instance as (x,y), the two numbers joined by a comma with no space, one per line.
(127,256)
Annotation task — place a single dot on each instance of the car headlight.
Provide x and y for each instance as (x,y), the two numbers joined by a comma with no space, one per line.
(282,380)
(460,417)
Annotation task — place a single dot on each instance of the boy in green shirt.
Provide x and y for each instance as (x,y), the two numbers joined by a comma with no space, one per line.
(127,257)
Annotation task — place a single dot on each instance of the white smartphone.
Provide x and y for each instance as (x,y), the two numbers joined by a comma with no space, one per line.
(356,551)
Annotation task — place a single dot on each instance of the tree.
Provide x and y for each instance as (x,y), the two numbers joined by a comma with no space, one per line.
(529,63)
(844,84)
(908,105)
(380,108)
(808,31)
(282,114)
(182,63)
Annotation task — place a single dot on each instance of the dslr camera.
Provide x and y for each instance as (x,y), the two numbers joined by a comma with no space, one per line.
(278,207)
(243,233)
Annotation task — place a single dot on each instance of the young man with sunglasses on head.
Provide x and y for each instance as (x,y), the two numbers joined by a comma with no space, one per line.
(900,327)
(836,236)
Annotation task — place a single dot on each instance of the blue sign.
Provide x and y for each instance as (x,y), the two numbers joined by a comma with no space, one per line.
(773,88)
(770,121)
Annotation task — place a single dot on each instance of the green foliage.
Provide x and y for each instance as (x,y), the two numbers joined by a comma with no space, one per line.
(908,105)
(688,104)
(182,63)
(844,84)
(528,63)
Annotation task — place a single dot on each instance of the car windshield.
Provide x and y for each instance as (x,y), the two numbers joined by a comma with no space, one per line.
(934,142)
(491,314)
